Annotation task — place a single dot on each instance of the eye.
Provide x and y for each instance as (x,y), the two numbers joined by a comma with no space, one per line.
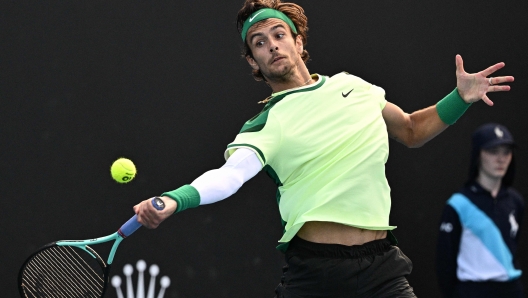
(280,35)
(259,43)
(493,151)
(505,151)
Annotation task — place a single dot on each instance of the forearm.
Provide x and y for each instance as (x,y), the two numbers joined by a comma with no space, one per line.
(416,129)
(413,130)
(425,125)
(218,184)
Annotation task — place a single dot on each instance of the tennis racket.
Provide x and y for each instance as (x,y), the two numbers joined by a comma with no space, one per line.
(71,268)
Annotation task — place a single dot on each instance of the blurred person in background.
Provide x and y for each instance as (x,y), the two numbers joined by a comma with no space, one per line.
(479,229)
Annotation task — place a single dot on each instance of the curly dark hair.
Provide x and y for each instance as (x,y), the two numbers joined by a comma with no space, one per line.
(292,10)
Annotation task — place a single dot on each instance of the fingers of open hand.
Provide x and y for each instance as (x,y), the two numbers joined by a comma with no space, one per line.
(498,88)
(488,71)
(494,81)
(486,100)
(474,87)
(493,87)
(459,64)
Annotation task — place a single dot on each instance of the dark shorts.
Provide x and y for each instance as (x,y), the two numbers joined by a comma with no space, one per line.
(374,269)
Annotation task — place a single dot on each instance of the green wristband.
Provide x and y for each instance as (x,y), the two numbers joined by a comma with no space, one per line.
(451,107)
(186,196)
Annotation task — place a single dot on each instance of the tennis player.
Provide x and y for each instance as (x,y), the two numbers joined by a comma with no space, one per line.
(324,141)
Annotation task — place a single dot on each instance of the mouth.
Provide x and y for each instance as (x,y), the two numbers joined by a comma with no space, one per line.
(278,58)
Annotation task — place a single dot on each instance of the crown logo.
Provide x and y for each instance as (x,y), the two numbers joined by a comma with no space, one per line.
(498,132)
(141,266)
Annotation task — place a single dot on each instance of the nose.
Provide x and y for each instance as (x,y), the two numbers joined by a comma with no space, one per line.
(274,48)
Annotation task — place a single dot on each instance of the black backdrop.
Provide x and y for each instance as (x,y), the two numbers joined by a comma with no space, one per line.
(163,83)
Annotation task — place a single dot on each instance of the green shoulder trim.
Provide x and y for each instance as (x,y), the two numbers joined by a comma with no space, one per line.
(259,121)
(251,146)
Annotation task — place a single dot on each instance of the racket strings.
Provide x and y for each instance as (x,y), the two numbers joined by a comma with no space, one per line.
(60,271)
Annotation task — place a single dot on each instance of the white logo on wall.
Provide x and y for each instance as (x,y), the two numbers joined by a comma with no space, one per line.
(141,266)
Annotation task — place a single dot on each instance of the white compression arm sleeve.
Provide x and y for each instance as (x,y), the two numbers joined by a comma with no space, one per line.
(216,185)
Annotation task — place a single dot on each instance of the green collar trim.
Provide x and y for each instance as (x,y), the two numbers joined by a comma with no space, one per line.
(276,98)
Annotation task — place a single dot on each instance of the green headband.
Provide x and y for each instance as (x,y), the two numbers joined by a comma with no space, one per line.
(262,14)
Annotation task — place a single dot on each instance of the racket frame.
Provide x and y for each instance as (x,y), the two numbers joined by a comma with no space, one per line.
(126,230)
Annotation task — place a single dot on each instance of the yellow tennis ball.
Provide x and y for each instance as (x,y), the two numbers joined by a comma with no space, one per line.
(123,170)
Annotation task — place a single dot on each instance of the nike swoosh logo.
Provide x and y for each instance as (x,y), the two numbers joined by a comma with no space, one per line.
(251,19)
(345,95)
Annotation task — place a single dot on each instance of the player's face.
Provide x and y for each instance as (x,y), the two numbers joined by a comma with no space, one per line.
(276,53)
(494,162)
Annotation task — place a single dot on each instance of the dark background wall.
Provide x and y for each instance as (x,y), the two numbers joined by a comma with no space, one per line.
(162,83)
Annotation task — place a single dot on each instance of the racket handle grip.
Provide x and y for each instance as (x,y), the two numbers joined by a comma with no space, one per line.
(129,227)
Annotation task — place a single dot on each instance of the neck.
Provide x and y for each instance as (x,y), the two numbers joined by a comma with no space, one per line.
(300,79)
(490,184)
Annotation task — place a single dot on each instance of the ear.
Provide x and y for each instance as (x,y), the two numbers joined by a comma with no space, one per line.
(252,62)
(299,44)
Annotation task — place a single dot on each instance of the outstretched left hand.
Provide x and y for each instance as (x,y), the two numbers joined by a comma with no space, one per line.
(473,87)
